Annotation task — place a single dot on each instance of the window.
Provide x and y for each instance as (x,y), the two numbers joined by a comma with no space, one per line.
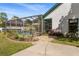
(48,24)
(73,25)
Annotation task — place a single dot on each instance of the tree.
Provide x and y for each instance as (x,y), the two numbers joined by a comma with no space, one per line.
(15,17)
(3,18)
(35,20)
(28,21)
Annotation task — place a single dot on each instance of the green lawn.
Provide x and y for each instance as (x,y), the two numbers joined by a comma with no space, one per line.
(8,47)
(66,41)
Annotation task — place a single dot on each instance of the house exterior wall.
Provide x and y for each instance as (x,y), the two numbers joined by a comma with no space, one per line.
(75,13)
(75,10)
(58,14)
(78,27)
(64,25)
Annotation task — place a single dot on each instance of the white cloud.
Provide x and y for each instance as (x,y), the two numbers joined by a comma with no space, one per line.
(13,12)
(34,7)
(28,6)
(10,12)
(28,10)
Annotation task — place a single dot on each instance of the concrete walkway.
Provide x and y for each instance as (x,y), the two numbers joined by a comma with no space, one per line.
(44,48)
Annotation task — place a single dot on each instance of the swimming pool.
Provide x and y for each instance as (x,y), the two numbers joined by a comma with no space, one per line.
(25,32)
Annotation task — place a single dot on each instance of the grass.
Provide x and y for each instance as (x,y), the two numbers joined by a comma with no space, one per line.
(66,41)
(8,47)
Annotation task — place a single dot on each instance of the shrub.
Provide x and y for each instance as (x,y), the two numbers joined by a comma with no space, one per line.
(19,37)
(72,36)
(55,33)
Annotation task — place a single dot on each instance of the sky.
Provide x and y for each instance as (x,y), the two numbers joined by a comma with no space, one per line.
(25,9)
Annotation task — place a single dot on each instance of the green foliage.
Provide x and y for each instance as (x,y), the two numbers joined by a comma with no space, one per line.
(28,21)
(22,37)
(8,47)
(3,18)
(19,37)
(15,17)
(68,41)
(12,34)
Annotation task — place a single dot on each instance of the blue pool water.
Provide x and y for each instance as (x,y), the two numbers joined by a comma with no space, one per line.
(25,33)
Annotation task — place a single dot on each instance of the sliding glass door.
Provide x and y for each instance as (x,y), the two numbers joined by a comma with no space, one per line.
(47,24)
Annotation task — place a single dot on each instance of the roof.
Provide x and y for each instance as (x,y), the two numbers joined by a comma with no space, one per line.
(52,9)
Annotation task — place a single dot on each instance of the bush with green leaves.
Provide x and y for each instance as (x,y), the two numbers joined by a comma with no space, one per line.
(21,37)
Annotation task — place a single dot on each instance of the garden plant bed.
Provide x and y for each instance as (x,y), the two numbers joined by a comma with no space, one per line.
(8,47)
(18,36)
(67,41)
